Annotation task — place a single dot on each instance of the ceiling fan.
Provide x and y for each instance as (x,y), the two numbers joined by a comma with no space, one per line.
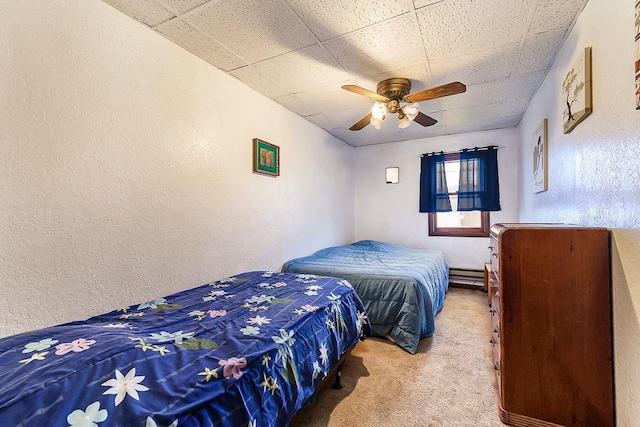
(391,92)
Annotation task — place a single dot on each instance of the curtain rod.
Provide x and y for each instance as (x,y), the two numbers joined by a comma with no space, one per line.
(463,149)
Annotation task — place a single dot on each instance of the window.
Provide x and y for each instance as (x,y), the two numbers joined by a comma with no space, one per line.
(454,223)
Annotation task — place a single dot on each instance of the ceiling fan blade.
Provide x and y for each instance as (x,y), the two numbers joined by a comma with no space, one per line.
(361,123)
(364,92)
(436,92)
(424,120)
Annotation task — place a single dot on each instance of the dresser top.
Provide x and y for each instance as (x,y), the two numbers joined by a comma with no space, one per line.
(497,229)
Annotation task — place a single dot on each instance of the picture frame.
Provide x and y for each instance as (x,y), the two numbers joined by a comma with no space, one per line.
(576,92)
(266,158)
(392,175)
(540,158)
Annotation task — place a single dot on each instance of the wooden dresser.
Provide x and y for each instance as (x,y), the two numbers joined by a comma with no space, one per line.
(551,321)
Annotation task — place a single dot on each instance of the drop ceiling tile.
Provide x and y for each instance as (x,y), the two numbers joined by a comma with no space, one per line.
(345,134)
(554,14)
(291,103)
(507,122)
(476,95)
(378,48)
(304,69)
(383,139)
(464,116)
(477,67)
(422,3)
(494,123)
(416,131)
(181,6)
(343,119)
(525,85)
(199,44)
(515,107)
(252,78)
(331,18)
(254,29)
(332,98)
(146,11)
(539,51)
(455,27)
(321,120)
(355,142)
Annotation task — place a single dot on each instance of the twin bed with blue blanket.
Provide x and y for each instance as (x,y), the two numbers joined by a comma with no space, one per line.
(402,289)
(249,350)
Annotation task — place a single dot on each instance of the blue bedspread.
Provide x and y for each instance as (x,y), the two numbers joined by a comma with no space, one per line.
(244,351)
(402,289)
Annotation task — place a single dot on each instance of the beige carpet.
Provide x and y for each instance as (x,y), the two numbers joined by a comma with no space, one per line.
(449,382)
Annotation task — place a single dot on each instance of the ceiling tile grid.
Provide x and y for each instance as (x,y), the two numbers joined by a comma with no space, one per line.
(554,14)
(332,18)
(332,98)
(149,12)
(304,69)
(378,48)
(181,6)
(185,35)
(477,67)
(293,103)
(254,29)
(476,95)
(259,82)
(538,51)
(455,27)
(300,52)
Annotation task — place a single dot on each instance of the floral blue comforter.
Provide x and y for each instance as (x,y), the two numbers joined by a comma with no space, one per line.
(248,350)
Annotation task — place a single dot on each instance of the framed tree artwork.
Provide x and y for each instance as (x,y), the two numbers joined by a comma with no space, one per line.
(266,157)
(637,62)
(576,92)
(540,159)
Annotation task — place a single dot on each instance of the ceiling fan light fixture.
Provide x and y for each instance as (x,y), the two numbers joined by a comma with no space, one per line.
(379,110)
(411,110)
(377,123)
(404,122)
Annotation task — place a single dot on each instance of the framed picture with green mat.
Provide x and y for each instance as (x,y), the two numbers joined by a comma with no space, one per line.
(266,157)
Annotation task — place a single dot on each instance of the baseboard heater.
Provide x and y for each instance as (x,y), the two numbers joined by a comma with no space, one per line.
(466,278)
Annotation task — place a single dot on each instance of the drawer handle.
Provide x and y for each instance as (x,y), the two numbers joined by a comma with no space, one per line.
(496,330)
(495,254)
(491,248)
(497,366)
(492,310)
(492,341)
(497,294)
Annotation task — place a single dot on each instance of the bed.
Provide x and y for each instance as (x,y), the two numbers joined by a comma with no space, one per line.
(248,350)
(402,289)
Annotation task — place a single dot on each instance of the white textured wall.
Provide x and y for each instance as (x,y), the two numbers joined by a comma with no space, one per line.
(594,172)
(125,168)
(389,212)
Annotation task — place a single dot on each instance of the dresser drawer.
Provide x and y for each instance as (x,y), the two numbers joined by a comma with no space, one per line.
(493,256)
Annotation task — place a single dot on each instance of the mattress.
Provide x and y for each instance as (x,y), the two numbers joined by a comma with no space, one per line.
(248,350)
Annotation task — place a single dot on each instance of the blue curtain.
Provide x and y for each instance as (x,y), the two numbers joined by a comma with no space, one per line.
(479,189)
(434,194)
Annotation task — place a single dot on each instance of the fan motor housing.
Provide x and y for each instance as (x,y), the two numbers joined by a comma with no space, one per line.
(394,88)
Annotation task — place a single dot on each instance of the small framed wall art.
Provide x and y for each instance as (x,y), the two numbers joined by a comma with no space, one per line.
(540,159)
(266,157)
(392,175)
(576,92)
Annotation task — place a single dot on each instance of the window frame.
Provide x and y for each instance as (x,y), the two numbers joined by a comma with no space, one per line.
(485,218)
